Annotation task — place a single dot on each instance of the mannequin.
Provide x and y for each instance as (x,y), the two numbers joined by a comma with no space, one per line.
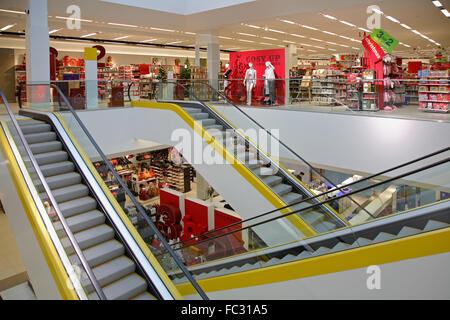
(250,82)
(227,75)
(269,83)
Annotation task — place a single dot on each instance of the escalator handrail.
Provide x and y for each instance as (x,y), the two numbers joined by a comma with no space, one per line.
(317,204)
(98,289)
(133,199)
(324,193)
(215,91)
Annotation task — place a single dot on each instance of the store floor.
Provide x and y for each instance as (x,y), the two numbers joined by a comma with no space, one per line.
(404,112)
(12,269)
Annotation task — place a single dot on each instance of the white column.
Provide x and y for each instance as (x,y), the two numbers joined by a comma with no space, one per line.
(213,55)
(37,49)
(197,55)
(91,74)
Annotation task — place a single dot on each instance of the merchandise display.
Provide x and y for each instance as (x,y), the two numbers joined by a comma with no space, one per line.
(434,91)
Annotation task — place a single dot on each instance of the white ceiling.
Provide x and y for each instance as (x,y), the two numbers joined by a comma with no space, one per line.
(235,25)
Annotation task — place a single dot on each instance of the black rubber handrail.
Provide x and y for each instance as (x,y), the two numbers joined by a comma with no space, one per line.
(323,194)
(435,164)
(140,210)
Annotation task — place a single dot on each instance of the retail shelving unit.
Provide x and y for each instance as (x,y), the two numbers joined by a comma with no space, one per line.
(434,91)
(328,87)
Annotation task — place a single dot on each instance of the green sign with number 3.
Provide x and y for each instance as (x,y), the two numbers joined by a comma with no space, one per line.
(383,38)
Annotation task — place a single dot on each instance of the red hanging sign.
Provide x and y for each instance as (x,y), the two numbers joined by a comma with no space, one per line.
(374,50)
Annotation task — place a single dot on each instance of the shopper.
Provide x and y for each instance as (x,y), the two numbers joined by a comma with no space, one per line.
(300,176)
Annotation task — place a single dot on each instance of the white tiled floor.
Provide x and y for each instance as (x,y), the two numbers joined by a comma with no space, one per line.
(20,292)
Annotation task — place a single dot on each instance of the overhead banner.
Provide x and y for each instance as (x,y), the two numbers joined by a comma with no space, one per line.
(374,50)
(239,64)
(386,41)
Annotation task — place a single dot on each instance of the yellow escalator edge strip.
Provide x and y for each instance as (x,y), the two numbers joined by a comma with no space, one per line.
(236,164)
(279,164)
(421,245)
(149,255)
(51,255)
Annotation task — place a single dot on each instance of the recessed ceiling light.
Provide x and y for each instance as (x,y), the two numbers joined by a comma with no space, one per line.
(246,34)
(7,27)
(392,19)
(265,43)
(189,32)
(365,30)
(308,27)
(277,31)
(287,41)
(329,17)
(270,38)
(297,35)
(222,37)
(88,35)
(71,18)
(243,40)
(437,3)
(331,49)
(252,26)
(416,32)
(347,23)
(355,48)
(377,11)
(53,31)
(328,32)
(149,40)
(311,50)
(333,43)
(343,45)
(122,25)
(406,45)
(174,42)
(316,39)
(12,11)
(288,21)
(405,26)
(159,29)
(344,37)
(318,47)
(119,38)
(445,12)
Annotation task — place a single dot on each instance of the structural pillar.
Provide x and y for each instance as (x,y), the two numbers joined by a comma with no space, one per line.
(37,51)
(91,77)
(213,56)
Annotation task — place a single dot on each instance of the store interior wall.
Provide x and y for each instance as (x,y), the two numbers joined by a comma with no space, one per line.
(7,73)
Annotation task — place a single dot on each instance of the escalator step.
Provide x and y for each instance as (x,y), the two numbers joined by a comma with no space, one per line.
(53,169)
(103,252)
(36,128)
(93,236)
(40,137)
(43,147)
(68,193)
(408,231)
(206,122)
(363,241)
(282,189)
(63,180)
(51,157)
(111,271)
(123,289)
(291,197)
(272,180)
(215,127)
(383,236)
(73,207)
(28,122)
(192,110)
(85,220)
(433,225)
(200,116)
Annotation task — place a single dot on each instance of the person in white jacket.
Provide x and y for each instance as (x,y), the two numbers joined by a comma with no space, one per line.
(250,82)
(269,83)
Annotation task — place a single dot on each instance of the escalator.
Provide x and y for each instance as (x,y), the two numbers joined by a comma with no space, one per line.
(93,231)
